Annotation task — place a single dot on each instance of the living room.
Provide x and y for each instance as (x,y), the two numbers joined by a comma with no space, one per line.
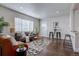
(39,29)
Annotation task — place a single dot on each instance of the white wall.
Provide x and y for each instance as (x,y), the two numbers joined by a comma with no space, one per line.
(10,15)
(76,22)
(64,24)
(74,17)
(76,28)
(43,28)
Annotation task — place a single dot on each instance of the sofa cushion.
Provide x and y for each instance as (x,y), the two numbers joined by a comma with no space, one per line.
(27,33)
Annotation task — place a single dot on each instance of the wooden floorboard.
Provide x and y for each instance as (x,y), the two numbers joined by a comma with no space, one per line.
(55,48)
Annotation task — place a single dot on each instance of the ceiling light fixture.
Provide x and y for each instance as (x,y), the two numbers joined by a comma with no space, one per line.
(57,12)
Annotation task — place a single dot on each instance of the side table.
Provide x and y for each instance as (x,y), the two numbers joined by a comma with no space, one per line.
(21,52)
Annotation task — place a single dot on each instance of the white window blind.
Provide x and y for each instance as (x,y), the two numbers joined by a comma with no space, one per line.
(22,25)
(18,25)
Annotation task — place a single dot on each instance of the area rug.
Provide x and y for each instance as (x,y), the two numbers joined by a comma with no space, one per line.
(37,46)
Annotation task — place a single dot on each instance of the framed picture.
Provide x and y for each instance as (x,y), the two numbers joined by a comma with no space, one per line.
(12,30)
(55,24)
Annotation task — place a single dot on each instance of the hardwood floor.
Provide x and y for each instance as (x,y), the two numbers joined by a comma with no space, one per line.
(55,48)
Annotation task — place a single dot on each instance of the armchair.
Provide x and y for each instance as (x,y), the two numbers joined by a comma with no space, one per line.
(8,49)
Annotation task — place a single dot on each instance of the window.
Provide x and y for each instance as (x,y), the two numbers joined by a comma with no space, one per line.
(18,25)
(22,25)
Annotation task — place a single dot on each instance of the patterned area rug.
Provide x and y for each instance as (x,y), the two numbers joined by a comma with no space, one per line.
(37,46)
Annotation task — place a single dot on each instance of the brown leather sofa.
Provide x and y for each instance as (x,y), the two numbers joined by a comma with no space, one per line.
(6,47)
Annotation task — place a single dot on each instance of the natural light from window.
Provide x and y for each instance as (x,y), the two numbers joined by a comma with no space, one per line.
(22,25)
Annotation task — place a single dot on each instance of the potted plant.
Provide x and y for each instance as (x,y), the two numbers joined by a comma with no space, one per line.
(21,47)
(2,24)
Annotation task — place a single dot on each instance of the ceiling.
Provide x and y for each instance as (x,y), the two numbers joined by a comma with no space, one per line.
(40,10)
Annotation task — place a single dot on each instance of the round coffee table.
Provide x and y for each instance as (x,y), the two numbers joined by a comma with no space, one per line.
(21,52)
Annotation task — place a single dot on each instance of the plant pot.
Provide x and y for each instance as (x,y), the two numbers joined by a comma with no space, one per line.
(21,49)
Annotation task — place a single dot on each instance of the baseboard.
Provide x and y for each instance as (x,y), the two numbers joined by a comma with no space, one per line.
(76,50)
(45,37)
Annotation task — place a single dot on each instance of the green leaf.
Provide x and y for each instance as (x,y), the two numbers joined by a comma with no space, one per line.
(21,45)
